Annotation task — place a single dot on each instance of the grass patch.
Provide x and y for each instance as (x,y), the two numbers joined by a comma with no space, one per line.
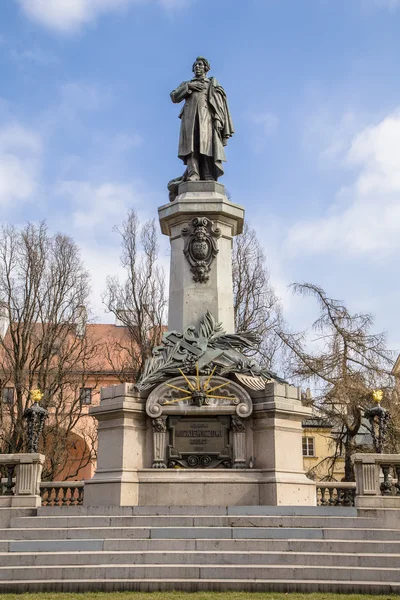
(194,596)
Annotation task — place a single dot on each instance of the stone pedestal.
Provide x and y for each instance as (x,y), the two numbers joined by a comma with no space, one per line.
(377,480)
(277,445)
(122,447)
(192,416)
(189,300)
(131,453)
(27,473)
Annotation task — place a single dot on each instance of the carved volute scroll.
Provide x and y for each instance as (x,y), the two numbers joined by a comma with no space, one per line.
(200,247)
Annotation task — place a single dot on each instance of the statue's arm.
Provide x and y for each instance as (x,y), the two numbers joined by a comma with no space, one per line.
(181,92)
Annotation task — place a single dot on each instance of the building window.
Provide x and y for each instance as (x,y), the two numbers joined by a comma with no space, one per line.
(8,395)
(86,395)
(308,446)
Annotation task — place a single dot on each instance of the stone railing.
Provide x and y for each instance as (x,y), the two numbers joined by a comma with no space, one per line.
(20,480)
(334,493)
(62,493)
(378,480)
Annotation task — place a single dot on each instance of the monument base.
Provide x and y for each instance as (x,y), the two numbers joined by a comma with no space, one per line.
(273,438)
(192,487)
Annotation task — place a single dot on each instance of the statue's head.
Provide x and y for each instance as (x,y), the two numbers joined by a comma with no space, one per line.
(200,66)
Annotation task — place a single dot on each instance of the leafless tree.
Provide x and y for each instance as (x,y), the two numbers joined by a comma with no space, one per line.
(44,289)
(343,362)
(139,301)
(256,306)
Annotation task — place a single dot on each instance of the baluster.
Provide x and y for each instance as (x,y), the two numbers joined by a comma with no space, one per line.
(57,499)
(53,495)
(44,494)
(332,500)
(397,486)
(323,501)
(9,483)
(65,498)
(72,500)
(80,496)
(340,495)
(347,497)
(386,486)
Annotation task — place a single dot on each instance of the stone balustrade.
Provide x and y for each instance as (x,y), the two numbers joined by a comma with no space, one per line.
(20,476)
(62,493)
(378,480)
(334,493)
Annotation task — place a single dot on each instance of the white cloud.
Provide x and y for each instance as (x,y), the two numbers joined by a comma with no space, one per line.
(391,4)
(122,142)
(330,137)
(267,121)
(265,124)
(99,206)
(35,55)
(20,163)
(69,16)
(365,217)
(80,95)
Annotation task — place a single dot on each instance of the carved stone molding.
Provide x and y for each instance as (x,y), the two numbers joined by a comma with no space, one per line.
(238,425)
(202,395)
(239,442)
(200,246)
(159,432)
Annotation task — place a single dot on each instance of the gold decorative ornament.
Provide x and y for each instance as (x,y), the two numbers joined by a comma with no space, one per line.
(200,391)
(36,395)
(377,396)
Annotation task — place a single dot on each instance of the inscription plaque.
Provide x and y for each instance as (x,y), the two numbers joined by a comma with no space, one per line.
(199,442)
(200,435)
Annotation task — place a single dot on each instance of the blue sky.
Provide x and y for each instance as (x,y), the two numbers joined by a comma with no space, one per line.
(87,130)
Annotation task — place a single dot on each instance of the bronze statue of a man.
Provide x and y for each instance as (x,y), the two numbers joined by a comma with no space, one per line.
(206,124)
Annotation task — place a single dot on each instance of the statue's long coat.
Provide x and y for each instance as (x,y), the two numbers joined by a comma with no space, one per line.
(209,108)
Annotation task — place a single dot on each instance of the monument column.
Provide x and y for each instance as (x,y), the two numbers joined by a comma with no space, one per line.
(201,224)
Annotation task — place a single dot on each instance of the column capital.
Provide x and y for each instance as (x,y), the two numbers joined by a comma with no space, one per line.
(201,199)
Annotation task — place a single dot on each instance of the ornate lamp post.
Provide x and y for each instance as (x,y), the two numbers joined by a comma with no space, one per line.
(35,416)
(378,418)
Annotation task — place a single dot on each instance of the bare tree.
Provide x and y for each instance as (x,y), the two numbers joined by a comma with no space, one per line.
(344,362)
(139,301)
(257,308)
(44,289)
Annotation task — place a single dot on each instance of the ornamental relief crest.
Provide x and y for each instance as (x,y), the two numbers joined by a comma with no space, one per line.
(199,395)
(200,247)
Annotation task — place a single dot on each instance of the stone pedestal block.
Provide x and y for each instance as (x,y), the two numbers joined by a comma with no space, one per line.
(377,480)
(277,446)
(189,300)
(130,444)
(122,447)
(27,472)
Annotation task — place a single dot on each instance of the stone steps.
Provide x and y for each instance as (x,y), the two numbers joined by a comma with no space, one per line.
(141,521)
(74,549)
(213,511)
(209,545)
(266,533)
(200,557)
(184,571)
(190,585)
